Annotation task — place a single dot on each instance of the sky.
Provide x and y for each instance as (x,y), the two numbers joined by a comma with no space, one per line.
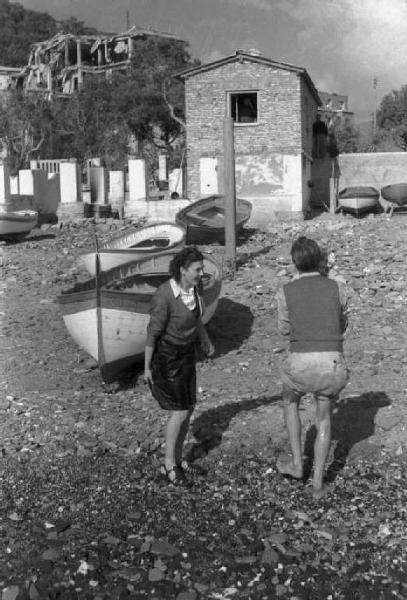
(343,44)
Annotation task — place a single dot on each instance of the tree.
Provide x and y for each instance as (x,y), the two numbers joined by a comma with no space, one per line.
(392,118)
(347,138)
(145,101)
(72,25)
(19,28)
(25,127)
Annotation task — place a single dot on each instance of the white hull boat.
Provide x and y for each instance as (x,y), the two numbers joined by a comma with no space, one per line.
(17,223)
(358,199)
(107,316)
(135,245)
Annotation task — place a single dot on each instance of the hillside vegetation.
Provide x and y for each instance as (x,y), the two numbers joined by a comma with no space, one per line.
(19,28)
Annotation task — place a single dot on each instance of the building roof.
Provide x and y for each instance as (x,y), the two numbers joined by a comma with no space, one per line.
(134,32)
(255,57)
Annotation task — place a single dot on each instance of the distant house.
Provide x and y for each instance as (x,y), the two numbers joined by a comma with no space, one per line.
(10,78)
(61,64)
(334,109)
(273,106)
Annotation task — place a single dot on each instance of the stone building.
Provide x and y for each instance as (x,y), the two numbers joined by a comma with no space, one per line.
(273,106)
(334,109)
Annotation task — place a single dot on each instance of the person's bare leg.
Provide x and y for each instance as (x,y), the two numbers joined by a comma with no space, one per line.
(179,445)
(172,434)
(322,444)
(292,466)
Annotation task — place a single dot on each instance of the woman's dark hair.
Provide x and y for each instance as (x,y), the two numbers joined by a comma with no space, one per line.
(306,254)
(184,258)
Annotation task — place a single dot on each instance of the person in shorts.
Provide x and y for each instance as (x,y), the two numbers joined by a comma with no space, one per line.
(312,312)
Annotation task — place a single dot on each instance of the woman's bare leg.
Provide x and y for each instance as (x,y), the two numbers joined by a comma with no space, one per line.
(179,445)
(175,425)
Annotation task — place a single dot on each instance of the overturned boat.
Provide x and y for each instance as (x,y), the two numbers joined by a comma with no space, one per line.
(107,315)
(358,199)
(396,193)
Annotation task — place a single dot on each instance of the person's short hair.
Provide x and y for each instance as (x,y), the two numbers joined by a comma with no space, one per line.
(306,254)
(184,258)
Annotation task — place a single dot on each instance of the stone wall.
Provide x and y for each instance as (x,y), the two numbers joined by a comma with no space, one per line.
(375,169)
(308,111)
(372,169)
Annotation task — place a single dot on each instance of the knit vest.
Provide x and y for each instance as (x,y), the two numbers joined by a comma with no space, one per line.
(314,312)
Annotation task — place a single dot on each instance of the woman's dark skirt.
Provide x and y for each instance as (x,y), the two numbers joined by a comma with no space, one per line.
(174,376)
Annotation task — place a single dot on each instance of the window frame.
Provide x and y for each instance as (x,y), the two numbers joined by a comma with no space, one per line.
(230,93)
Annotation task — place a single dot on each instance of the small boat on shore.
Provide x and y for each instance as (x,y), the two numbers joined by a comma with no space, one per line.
(396,193)
(204,220)
(107,315)
(358,199)
(135,245)
(17,224)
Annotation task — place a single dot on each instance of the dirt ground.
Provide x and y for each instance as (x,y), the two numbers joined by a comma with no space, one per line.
(80,458)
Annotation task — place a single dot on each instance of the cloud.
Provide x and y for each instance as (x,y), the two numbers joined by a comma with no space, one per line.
(348,43)
(259,4)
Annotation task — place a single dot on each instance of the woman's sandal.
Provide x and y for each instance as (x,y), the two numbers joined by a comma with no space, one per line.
(175,476)
(192,469)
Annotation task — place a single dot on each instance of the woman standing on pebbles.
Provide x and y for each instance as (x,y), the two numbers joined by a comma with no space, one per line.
(173,332)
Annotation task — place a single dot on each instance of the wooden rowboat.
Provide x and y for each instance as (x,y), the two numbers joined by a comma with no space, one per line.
(204,220)
(396,193)
(358,199)
(135,245)
(107,316)
(17,224)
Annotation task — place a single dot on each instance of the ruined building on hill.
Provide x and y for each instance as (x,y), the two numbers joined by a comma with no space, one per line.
(60,65)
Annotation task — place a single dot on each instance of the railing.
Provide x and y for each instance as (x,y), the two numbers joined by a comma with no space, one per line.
(51,166)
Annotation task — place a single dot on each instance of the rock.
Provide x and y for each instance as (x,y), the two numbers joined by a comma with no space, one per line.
(188,595)
(10,593)
(164,548)
(33,592)
(386,421)
(51,554)
(269,557)
(155,575)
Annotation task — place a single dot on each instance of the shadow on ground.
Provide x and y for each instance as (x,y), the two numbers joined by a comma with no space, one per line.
(33,238)
(230,326)
(245,234)
(209,427)
(353,420)
(244,257)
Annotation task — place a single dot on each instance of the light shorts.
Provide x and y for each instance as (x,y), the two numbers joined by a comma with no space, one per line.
(320,373)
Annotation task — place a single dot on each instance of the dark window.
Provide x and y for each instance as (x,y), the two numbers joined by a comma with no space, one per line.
(243,107)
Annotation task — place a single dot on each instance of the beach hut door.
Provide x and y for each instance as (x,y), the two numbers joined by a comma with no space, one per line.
(208,168)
